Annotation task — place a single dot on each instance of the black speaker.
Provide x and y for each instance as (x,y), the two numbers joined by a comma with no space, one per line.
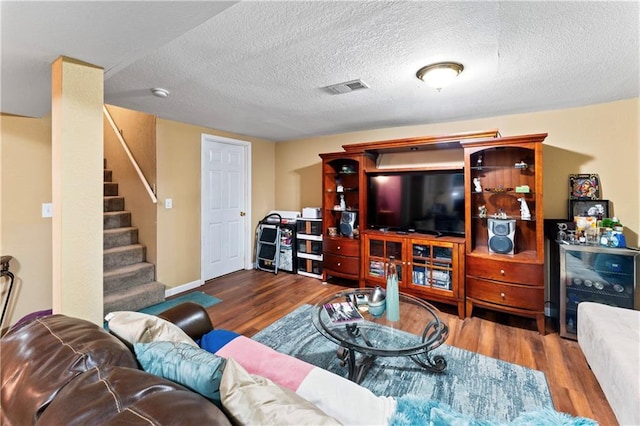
(347,223)
(501,233)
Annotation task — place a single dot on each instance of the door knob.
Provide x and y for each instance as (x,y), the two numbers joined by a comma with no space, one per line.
(243,214)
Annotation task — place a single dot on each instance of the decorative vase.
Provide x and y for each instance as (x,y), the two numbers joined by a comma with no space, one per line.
(377,302)
(393,294)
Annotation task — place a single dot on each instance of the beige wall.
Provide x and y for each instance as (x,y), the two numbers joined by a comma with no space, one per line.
(178,155)
(602,139)
(25,183)
(77,181)
(139,132)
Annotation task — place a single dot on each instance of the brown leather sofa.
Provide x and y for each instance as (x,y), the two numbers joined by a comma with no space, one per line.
(59,370)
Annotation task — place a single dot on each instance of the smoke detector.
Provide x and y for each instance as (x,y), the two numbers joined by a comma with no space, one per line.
(346,87)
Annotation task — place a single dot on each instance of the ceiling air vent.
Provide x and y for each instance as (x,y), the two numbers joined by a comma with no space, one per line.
(346,87)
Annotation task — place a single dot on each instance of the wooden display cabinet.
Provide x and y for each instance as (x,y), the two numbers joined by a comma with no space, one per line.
(504,235)
(343,180)
(428,267)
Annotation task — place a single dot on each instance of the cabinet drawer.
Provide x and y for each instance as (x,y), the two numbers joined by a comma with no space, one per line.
(308,246)
(309,266)
(512,295)
(342,264)
(512,272)
(309,227)
(342,246)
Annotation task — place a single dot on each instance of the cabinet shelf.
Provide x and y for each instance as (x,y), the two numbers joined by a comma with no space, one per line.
(510,192)
(518,219)
(498,190)
(528,256)
(345,210)
(341,173)
(344,190)
(486,168)
(422,260)
(310,237)
(609,293)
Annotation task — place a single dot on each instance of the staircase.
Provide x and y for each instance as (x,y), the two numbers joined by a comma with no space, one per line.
(129,281)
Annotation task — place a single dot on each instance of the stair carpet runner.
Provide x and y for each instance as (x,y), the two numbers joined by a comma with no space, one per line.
(129,280)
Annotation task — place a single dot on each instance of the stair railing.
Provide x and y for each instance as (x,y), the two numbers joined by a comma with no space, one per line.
(143,179)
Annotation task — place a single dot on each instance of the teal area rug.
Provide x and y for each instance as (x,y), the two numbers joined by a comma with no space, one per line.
(472,384)
(198,297)
(412,411)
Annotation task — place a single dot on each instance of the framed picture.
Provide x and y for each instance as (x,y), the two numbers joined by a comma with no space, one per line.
(585,186)
(588,208)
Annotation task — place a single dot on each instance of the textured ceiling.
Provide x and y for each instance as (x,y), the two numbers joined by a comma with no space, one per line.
(258,68)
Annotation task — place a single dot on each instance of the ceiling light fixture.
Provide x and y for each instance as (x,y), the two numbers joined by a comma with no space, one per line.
(159,92)
(439,75)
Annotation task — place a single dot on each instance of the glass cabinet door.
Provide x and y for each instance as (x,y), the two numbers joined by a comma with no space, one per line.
(380,251)
(431,266)
(595,274)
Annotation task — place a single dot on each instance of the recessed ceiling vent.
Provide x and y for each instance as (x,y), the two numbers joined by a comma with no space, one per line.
(346,87)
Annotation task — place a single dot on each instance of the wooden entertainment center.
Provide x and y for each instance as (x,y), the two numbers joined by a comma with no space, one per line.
(498,264)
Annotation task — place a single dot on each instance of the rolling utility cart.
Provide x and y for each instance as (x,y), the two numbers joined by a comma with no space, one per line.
(275,242)
(268,243)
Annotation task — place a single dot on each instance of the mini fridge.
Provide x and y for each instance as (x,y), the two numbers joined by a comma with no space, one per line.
(596,274)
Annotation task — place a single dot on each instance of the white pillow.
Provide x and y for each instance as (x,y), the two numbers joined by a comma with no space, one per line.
(136,327)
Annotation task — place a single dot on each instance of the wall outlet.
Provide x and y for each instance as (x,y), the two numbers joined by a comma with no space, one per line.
(47,209)
(168,203)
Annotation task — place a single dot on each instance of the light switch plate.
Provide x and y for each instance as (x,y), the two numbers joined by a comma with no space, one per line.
(47,209)
(168,203)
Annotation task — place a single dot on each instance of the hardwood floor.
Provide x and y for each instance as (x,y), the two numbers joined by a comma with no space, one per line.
(251,300)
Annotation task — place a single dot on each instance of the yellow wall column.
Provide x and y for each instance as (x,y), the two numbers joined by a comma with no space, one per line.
(77,188)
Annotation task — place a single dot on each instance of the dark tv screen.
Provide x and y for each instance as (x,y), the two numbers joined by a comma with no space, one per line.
(424,201)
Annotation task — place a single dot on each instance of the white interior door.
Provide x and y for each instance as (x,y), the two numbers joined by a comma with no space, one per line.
(225,199)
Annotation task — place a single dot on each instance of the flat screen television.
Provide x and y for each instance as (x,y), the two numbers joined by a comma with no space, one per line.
(417,201)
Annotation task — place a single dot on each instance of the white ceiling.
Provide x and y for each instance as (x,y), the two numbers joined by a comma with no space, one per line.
(258,67)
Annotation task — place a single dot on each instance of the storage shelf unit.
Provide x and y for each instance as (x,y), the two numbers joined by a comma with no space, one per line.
(309,247)
(504,244)
(343,182)
(596,274)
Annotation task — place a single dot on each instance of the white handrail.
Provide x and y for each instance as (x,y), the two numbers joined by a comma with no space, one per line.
(126,149)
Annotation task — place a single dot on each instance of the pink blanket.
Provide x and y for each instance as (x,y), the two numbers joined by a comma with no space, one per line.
(346,401)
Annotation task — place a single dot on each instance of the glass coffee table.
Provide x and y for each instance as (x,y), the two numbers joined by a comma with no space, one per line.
(418,331)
